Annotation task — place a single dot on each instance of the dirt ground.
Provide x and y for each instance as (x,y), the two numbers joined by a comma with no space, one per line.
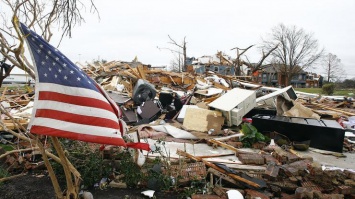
(34,187)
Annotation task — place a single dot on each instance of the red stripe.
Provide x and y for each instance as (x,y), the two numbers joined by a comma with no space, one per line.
(70,99)
(139,145)
(77,136)
(78,119)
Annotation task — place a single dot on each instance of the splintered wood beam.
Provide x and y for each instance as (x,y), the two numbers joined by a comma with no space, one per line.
(3,94)
(224,145)
(133,71)
(333,109)
(141,71)
(172,80)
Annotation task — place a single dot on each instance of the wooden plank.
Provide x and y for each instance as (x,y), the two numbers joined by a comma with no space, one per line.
(333,109)
(141,71)
(3,94)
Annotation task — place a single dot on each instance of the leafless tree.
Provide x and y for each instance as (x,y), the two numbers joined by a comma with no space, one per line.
(41,16)
(176,63)
(182,47)
(296,51)
(332,67)
(239,62)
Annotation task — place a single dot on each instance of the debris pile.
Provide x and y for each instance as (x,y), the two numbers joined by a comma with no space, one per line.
(220,136)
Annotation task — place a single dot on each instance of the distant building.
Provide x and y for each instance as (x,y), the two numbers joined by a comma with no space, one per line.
(18,79)
(272,75)
(219,63)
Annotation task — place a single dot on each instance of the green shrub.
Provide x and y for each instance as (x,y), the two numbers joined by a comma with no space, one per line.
(87,160)
(328,89)
(251,135)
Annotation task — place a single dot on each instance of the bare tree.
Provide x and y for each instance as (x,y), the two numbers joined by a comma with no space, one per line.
(176,63)
(41,16)
(332,67)
(239,62)
(296,51)
(182,46)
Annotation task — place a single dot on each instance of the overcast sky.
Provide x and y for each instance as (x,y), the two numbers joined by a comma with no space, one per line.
(129,28)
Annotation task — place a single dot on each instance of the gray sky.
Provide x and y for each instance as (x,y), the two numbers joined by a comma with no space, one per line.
(130,28)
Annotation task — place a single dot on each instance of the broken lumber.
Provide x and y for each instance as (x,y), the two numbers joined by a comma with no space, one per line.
(211,165)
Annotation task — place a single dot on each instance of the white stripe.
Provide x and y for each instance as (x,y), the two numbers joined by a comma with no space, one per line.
(68,90)
(76,109)
(78,128)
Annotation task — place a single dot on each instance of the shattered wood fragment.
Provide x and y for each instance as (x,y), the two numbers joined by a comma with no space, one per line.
(220,191)
(272,171)
(346,190)
(187,172)
(249,193)
(333,109)
(223,176)
(224,145)
(205,196)
(285,157)
(251,158)
(141,71)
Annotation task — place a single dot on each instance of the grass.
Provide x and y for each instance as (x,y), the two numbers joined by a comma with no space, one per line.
(345,92)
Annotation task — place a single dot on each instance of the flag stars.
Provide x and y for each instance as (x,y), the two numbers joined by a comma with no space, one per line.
(59,70)
(45,74)
(65,77)
(64,65)
(78,79)
(53,63)
(39,51)
(71,72)
(57,58)
(55,75)
(41,46)
(49,52)
(50,69)
(47,57)
(33,39)
(43,62)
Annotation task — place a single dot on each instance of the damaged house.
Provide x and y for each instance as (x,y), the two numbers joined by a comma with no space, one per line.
(273,75)
(219,63)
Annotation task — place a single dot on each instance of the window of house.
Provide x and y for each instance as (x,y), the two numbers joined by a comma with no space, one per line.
(264,77)
(216,69)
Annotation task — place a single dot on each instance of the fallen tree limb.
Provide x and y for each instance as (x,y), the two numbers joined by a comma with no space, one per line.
(12,177)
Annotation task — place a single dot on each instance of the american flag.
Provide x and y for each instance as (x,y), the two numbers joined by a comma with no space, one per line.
(68,103)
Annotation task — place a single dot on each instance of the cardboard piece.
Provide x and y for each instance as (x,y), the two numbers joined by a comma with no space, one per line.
(298,110)
(182,113)
(203,120)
